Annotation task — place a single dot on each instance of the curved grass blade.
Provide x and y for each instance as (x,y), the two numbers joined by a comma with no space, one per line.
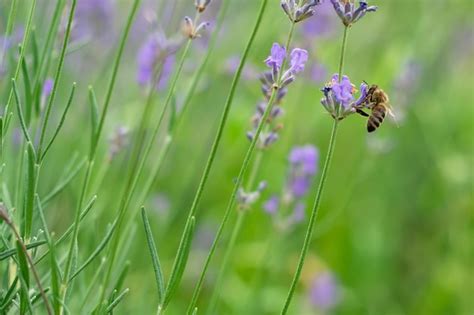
(61,122)
(24,128)
(180,262)
(116,301)
(10,252)
(54,266)
(154,257)
(96,252)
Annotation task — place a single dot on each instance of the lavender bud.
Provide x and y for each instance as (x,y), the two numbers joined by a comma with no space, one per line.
(201,5)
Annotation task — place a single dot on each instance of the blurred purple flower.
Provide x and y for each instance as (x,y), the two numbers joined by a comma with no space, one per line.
(303,166)
(320,25)
(324,293)
(94,19)
(298,11)
(318,72)
(47,87)
(156,56)
(271,205)
(231,65)
(299,212)
(305,158)
(349,13)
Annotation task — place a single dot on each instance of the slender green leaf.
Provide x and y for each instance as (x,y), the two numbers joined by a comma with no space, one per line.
(61,122)
(24,277)
(8,298)
(30,190)
(96,252)
(54,266)
(68,232)
(67,178)
(20,112)
(57,79)
(154,257)
(180,261)
(94,108)
(10,252)
(27,84)
(117,301)
(121,278)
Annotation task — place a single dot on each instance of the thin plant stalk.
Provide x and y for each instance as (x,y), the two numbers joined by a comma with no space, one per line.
(136,169)
(234,235)
(93,151)
(189,96)
(6,219)
(4,120)
(319,192)
(239,179)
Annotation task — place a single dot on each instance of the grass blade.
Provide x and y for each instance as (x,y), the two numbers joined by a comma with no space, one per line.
(20,112)
(54,266)
(10,252)
(154,257)
(61,122)
(94,114)
(180,262)
(116,301)
(96,252)
(30,190)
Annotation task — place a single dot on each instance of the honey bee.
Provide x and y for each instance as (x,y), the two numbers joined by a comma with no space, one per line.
(378,102)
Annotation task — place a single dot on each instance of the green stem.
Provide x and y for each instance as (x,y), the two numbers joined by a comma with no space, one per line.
(322,181)
(225,261)
(85,184)
(238,181)
(343,49)
(312,219)
(57,77)
(234,235)
(137,167)
(4,120)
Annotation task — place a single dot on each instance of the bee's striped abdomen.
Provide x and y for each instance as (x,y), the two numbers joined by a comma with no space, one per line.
(377,117)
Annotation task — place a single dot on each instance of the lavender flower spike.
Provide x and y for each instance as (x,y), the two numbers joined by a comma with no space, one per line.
(339,98)
(192,31)
(349,13)
(301,11)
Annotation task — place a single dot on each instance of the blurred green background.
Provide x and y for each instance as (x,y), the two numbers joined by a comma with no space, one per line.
(396,223)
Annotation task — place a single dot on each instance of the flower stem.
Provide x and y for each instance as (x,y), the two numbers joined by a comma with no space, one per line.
(312,219)
(234,235)
(238,181)
(343,50)
(322,181)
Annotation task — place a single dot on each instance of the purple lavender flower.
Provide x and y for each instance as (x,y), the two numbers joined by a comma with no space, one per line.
(277,56)
(321,25)
(298,59)
(156,56)
(303,166)
(324,293)
(343,91)
(47,87)
(318,72)
(271,205)
(300,11)
(349,13)
(339,98)
(305,159)
(94,19)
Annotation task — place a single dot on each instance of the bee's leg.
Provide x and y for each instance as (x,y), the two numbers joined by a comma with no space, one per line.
(361,112)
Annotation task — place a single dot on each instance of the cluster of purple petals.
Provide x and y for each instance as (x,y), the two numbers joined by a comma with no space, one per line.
(349,12)
(303,166)
(156,57)
(298,11)
(324,293)
(339,99)
(282,73)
